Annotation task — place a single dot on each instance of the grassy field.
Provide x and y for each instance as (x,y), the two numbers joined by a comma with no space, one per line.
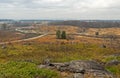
(115,31)
(36,53)
(24,57)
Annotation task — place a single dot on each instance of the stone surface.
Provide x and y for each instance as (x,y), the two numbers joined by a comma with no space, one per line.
(113,62)
(81,69)
(79,66)
(76,75)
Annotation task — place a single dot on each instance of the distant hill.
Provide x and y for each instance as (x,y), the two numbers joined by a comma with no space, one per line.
(81,23)
(6,21)
(90,23)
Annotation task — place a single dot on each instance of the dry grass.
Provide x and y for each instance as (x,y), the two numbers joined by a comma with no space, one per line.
(102,31)
(9,36)
(53,29)
(79,48)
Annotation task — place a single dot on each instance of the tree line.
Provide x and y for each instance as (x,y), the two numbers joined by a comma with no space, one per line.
(89,24)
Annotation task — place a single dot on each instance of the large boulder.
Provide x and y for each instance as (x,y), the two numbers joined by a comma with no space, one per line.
(82,69)
(79,66)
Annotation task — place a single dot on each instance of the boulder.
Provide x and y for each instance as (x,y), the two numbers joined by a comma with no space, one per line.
(81,69)
(76,75)
(80,66)
(113,62)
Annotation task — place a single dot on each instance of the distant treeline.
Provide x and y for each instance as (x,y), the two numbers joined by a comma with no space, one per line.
(89,24)
(19,24)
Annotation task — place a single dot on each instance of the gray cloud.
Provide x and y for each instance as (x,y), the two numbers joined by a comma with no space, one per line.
(60,9)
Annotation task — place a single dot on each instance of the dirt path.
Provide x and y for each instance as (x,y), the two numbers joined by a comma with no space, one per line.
(28,39)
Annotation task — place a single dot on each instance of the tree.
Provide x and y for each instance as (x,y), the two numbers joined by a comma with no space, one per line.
(58,34)
(63,35)
(96,33)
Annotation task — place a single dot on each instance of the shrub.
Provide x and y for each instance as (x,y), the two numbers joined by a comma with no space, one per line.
(24,70)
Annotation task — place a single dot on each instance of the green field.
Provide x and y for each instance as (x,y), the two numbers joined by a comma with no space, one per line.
(25,56)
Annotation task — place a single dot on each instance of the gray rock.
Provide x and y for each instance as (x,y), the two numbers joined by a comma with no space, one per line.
(45,66)
(81,68)
(100,74)
(78,66)
(42,66)
(46,61)
(76,75)
(60,66)
(113,62)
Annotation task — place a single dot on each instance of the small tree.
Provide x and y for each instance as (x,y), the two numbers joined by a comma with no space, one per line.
(58,34)
(96,33)
(63,35)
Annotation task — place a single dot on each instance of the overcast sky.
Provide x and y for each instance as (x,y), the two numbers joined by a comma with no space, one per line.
(60,9)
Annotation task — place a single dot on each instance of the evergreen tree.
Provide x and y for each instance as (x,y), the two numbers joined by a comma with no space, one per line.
(58,34)
(63,35)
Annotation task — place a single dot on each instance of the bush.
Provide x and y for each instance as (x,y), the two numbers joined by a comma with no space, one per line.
(24,70)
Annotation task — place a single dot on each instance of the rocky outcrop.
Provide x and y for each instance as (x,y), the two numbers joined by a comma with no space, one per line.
(112,62)
(81,69)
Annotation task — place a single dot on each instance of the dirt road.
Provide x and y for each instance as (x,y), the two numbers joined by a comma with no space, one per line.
(28,39)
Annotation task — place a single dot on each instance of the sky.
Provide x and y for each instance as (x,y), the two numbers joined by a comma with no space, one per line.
(60,9)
